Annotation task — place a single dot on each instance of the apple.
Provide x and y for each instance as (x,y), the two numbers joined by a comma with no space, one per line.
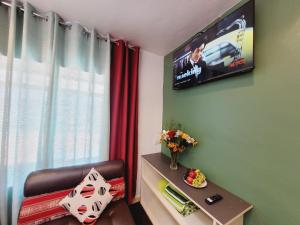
(192,174)
(189,180)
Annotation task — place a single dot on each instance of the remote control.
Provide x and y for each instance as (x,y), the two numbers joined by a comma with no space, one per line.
(213,199)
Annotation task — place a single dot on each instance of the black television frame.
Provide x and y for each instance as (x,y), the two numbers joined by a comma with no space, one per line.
(214,23)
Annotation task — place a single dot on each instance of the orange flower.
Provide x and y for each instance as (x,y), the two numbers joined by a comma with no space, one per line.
(184,136)
(171,145)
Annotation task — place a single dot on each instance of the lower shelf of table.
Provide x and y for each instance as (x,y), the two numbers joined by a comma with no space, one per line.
(152,196)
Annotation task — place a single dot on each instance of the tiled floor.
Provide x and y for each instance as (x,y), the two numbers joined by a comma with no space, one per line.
(139,215)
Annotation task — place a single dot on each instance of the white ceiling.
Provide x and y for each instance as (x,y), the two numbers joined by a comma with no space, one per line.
(158,26)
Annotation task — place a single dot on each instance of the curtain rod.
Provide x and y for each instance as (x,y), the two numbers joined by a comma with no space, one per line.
(63,23)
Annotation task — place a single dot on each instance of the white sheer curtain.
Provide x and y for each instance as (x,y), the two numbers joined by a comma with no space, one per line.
(54,99)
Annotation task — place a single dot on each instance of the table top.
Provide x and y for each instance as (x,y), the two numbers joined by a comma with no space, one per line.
(224,211)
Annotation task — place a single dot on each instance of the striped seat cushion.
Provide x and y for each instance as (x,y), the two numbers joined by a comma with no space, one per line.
(42,208)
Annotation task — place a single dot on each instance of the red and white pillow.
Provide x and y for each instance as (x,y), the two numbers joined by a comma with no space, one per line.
(117,188)
(87,201)
(42,208)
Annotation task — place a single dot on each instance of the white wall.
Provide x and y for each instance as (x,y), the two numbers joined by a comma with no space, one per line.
(150,106)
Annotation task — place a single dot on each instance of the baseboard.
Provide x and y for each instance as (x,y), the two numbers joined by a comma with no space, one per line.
(136,199)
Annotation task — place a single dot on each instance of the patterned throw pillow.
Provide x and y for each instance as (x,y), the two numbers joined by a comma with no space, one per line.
(87,201)
(42,208)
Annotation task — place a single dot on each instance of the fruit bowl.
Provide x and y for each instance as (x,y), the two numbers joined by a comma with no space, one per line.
(195,178)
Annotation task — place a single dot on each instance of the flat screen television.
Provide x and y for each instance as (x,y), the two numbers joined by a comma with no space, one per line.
(222,50)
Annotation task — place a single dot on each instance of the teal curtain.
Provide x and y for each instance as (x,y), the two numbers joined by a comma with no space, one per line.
(54,99)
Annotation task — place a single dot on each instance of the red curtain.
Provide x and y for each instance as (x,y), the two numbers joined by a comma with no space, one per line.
(124,111)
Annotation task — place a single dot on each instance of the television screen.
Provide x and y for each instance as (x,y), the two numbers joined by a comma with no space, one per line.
(224,49)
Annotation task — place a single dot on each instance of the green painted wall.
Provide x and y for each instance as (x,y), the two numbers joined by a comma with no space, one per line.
(249,126)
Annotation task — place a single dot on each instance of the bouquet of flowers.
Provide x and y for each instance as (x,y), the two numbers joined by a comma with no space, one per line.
(177,140)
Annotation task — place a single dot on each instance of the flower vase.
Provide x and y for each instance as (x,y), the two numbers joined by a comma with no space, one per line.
(173,165)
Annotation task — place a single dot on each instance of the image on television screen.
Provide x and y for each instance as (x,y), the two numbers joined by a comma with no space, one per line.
(224,49)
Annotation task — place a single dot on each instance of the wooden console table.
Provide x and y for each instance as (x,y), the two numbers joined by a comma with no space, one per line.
(229,211)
